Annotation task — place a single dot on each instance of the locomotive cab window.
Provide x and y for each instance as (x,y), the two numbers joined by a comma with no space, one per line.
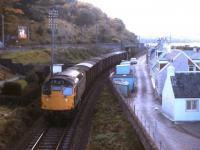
(56,85)
(67,91)
(57,82)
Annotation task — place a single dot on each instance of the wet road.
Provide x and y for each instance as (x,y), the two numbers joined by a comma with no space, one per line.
(168,135)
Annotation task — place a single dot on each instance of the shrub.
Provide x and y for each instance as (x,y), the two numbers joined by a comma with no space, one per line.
(85,17)
(22,83)
(41,77)
(31,92)
(35,14)
(40,31)
(31,77)
(11,88)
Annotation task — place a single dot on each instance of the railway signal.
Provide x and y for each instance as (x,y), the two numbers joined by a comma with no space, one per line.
(53,15)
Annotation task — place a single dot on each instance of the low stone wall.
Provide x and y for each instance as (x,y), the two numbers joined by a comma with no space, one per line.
(132,117)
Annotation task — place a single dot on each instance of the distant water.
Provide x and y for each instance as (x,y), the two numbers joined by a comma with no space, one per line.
(191,44)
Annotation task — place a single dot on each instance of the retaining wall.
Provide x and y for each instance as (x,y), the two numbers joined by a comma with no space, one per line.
(144,137)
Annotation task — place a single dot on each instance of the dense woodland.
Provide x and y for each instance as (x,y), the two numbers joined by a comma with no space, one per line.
(77,22)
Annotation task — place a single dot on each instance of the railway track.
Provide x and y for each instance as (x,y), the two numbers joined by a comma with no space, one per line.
(51,138)
(47,137)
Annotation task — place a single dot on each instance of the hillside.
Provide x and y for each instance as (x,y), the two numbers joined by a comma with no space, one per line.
(77,23)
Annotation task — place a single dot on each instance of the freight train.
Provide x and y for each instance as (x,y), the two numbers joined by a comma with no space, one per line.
(64,91)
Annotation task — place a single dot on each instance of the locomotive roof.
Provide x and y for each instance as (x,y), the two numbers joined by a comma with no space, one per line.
(113,53)
(96,59)
(89,65)
(73,75)
(83,67)
(70,72)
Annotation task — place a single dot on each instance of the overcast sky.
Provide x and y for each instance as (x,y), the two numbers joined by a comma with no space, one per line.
(155,17)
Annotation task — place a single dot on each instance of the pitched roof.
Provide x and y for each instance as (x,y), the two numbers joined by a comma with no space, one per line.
(186,85)
(177,53)
(193,55)
(171,55)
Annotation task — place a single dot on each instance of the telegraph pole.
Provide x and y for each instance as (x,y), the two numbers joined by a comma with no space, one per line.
(53,15)
(2,18)
(96,34)
(96,30)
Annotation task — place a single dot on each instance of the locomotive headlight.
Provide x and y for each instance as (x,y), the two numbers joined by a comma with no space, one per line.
(66,99)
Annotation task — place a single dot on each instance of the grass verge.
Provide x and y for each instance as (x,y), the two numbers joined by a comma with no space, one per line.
(110,129)
(62,55)
(12,127)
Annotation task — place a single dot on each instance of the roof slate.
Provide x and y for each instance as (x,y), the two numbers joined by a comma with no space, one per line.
(186,85)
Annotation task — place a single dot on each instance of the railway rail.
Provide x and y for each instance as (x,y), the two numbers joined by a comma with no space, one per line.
(52,138)
(44,136)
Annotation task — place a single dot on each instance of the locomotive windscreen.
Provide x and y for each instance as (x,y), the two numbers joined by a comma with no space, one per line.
(56,85)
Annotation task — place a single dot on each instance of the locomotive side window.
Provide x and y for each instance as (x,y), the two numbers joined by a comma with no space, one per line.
(46,89)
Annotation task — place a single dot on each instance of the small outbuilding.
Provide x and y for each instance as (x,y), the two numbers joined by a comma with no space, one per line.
(129,78)
(123,87)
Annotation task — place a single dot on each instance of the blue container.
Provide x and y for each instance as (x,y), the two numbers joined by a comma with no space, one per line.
(123,87)
(129,78)
(123,69)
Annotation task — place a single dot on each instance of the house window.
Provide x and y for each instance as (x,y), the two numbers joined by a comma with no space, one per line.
(162,65)
(192,105)
(192,68)
(158,54)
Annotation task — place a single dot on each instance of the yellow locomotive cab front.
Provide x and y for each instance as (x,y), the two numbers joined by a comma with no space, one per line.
(57,101)
(59,98)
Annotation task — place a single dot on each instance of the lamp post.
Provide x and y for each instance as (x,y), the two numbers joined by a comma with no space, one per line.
(96,33)
(2,18)
(53,15)
(96,29)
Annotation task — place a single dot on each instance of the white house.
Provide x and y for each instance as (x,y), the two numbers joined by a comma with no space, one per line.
(176,58)
(155,54)
(181,96)
(162,56)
